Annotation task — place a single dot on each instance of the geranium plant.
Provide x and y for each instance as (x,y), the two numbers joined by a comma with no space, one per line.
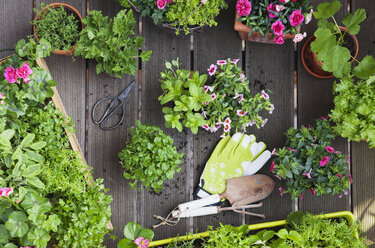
(112,43)
(135,236)
(149,157)
(232,105)
(278,17)
(309,162)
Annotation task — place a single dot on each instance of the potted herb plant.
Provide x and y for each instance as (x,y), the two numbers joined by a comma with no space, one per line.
(271,21)
(59,24)
(112,43)
(178,15)
(149,157)
(309,162)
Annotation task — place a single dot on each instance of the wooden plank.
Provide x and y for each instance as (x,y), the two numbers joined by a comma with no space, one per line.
(210,45)
(165,46)
(315,99)
(13,27)
(70,77)
(363,163)
(103,146)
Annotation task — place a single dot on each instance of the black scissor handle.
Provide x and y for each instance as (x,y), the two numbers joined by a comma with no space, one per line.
(105,113)
(101,125)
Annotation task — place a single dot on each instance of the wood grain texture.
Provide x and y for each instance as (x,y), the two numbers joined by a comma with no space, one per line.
(315,99)
(363,163)
(212,44)
(103,146)
(165,46)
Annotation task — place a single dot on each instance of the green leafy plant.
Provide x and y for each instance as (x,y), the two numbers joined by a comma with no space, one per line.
(149,157)
(58,26)
(332,43)
(112,43)
(309,162)
(186,94)
(135,236)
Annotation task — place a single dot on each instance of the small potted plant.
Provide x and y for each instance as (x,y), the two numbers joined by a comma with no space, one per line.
(309,162)
(112,43)
(178,15)
(271,21)
(59,24)
(333,48)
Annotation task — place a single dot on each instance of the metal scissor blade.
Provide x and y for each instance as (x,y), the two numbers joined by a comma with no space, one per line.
(124,94)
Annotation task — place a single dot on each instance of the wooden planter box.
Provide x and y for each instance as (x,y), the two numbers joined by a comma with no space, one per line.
(344,214)
(244,30)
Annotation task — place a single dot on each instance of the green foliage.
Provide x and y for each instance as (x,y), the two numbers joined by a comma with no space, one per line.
(186,93)
(354,112)
(133,231)
(149,157)
(31,51)
(112,43)
(260,21)
(330,45)
(58,26)
(300,162)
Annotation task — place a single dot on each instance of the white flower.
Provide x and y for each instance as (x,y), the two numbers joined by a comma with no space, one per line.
(272,108)
(242,77)
(279,8)
(206,127)
(264,122)
(286,1)
(265,95)
(299,37)
(309,16)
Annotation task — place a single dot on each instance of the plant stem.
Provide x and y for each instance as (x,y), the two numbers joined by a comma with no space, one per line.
(338,28)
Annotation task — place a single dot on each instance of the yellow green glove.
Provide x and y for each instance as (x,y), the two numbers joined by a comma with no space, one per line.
(235,156)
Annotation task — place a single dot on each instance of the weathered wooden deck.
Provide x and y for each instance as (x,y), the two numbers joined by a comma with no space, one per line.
(299,99)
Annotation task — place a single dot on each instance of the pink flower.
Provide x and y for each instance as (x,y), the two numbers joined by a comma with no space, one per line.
(290,149)
(142,242)
(265,95)
(273,8)
(208,88)
(241,113)
(2,102)
(309,16)
(206,127)
(24,71)
(296,18)
(240,96)
(10,74)
(330,149)
(221,62)
(204,114)
(324,117)
(1,96)
(347,159)
(264,122)
(272,166)
(279,39)
(205,103)
(313,191)
(299,37)
(227,120)
(226,127)
(302,196)
(243,7)
(278,177)
(242,77)
(281,191)
(212,70)
(161,4)
(213,96)
(346,192)
(169,1)
(234,61)
(350,178)
(324,161)
(250,124)
(272,108)
(339,196)
(282,1)
(279,8)
(278,27)
(307,174)
(339,175)
(214,129)
(4,192)
(273,151)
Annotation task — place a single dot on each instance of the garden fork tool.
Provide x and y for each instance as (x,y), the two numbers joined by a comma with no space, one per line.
(112,108)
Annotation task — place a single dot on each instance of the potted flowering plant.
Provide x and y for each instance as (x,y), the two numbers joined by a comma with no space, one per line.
(232,106)
(178,15)
(309,162)
(271,21)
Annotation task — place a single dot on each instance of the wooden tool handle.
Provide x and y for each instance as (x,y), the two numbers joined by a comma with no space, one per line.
(199,203)
(196,212)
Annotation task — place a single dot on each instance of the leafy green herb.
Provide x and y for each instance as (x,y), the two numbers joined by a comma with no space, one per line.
(132,232)
(149,157)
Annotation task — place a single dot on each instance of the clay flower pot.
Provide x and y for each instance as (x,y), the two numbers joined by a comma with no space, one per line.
(244,30)
(311,63)
(69,8)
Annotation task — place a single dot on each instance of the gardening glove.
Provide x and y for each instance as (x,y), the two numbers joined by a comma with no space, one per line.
(233,157)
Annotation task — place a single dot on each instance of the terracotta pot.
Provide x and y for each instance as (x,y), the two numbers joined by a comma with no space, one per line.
(311,63)
(69,8)
(244,30)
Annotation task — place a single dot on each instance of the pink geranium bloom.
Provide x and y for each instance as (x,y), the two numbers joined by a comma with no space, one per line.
(272,166)
(241,113)
(161,4)
(279,39)
(296,18)
(265,95)
(240,96)
(234,61)
(10,74)
(243,7)
(142,242)
(324,161)
(281,191)
(4,192)
(313,191)
(278,27)
(330,149)
(273,8)
(206,127)
(221,62)
(24,71)
(226,127)
(212,69)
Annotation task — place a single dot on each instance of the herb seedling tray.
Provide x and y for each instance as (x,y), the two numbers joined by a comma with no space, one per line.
(344,214)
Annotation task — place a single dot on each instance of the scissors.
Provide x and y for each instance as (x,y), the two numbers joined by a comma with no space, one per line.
(112,108)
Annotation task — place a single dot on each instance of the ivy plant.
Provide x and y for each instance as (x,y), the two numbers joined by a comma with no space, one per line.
(135,236)
(186,94)
(112,43)
(149,157)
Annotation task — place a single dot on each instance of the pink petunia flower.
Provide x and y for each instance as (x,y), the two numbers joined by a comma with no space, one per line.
(307,174)
(264,122)
(243,7)
(4,192)
(226,127)
(273,8)
(272,166)
(313,191)
(206,127)
(234,61)
(272,108)
(227,121)
(213,96)
(296,18)
(221,62)
(299,37)
(212,69)
(10,74)
(161,4)
(330,149)
(280,8)
(309,16)
(241,113)
(278,27)
(339,175)
(279,39)
(142,242)
(324,161)
(24,71)
(281,191)
(265,95)
(240,96)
